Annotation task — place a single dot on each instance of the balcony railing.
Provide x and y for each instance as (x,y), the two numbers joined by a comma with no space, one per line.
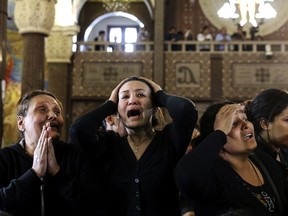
(145,46)
(186,46)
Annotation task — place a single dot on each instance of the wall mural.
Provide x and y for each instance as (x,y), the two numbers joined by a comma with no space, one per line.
(12,78)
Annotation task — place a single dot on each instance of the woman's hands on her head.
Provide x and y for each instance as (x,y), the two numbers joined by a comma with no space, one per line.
(154,85)
(226,116)
(114,93)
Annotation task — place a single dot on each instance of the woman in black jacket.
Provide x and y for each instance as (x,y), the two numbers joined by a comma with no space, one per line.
(268,111)
(137,169)
(222,173)
(40,174)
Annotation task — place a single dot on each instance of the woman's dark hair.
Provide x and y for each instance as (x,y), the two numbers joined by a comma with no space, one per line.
(137,78)
(266,105)
(206,122)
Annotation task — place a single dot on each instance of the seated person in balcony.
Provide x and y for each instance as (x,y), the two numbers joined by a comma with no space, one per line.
(261,47)
(239,35)
(205,36)
(188,36)
(143,35)
(100,38)
(222,36)
(173,35)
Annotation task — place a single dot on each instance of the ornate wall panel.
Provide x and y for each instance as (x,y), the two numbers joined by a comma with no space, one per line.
(245,75)
(97,74)
(188,74)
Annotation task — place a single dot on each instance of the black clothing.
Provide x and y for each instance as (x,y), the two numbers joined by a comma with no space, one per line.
(203,176)
(236,36)
(262,146)
(146,186)
(98,46)
(67,193)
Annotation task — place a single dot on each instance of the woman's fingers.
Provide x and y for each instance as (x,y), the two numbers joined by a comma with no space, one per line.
(40,153)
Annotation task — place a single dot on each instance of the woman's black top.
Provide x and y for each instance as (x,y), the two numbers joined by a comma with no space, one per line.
(70,192)
(146,186)
(215,188)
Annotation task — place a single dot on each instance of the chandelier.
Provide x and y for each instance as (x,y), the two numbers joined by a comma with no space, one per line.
(247,10)
(116,5)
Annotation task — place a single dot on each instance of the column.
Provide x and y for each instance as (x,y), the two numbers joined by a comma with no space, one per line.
(34,19)
(3,39)
(58,52)
(159,42)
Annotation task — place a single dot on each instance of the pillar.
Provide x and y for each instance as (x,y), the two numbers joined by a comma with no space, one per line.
(58,52)
(159,42)
(34,19)
(216,76)
(3,41)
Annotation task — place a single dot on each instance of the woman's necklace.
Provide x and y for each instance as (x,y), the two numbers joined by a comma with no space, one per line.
(136,146)
(254,169)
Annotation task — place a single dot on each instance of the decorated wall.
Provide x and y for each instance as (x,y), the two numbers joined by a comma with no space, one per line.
(12,77)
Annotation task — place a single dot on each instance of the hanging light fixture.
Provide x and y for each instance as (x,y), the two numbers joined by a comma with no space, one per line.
(116,5)
(247,10)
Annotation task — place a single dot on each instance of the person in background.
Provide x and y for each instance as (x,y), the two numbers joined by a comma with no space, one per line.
(139,166)
(195,134)
(222,173)
(188,36)
(40,174)
(239,35)
(100,38)
(205,36)
(268,112)
(222,36)
(173,36)
(186,205)
(143,35)
(113,123)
